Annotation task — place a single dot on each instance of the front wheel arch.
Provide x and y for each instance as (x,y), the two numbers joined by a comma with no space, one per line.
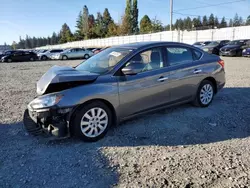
(79,107)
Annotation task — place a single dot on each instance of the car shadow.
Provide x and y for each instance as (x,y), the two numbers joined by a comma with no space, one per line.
(228,117)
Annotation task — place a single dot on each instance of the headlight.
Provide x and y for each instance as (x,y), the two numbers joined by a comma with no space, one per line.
(45,101)
(244,50)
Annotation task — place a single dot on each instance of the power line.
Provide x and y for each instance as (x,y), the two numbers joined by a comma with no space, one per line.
(211,5)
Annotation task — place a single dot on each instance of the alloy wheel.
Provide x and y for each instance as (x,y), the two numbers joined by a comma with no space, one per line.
(206,94)
(94,122)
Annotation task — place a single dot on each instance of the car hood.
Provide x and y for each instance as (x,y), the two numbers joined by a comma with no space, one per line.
(60,74)
(231,46)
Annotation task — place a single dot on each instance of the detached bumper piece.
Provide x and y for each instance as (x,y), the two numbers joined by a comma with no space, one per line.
(48,123)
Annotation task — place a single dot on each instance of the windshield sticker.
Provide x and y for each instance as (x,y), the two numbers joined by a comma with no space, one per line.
(116,54)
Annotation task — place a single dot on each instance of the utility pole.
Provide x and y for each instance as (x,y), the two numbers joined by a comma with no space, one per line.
(171,14)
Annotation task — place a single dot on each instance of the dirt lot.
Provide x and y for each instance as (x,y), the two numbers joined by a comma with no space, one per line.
(178,147)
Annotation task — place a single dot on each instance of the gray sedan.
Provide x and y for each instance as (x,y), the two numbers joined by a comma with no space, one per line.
(119,83)
(73,53)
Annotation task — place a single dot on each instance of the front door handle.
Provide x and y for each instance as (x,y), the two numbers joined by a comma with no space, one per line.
(196,71)
(162,79)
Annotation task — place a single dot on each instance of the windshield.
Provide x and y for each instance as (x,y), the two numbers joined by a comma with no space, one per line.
(104,61)
(213,43)
(236,42)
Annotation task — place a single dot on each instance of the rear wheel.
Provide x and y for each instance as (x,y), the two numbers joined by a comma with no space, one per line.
(92,122)
(9,60)
(32,59)
(86,56)
(205,94)
(44,57)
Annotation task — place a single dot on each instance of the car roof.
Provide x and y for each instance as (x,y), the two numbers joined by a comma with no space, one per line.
(137,45)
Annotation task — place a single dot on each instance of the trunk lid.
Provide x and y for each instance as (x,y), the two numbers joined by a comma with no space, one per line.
(59,74)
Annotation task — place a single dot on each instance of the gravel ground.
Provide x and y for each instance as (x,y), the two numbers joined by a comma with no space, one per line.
(177,147)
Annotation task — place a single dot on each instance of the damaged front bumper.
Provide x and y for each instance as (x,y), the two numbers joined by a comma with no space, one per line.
(53,122)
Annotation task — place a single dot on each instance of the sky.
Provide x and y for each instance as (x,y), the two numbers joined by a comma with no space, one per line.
(41,18)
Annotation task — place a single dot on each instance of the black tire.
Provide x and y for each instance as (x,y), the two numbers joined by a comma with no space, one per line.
(9,60)
(64,57)
(75,128)
(198,102)
(239,53)
(86,56)
(32,59)
(44,57)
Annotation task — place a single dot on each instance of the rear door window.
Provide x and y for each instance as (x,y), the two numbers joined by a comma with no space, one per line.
(179,55)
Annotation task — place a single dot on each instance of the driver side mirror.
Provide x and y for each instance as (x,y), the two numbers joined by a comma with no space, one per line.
(133,68)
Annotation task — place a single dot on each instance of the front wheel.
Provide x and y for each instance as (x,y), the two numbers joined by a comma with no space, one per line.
(64,57)
(92,122)
(205,94)
(9,60)
(32,59)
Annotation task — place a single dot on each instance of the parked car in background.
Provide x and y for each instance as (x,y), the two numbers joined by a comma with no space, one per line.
(100,49)
(47,54)
(20,56)
(215,46)
(5,53)
(90,49)
(119,83)
(201,44)
(246,49)
(73,53)
(233,48)
(96,49)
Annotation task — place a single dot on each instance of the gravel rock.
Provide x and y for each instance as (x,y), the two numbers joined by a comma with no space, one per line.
(176,147)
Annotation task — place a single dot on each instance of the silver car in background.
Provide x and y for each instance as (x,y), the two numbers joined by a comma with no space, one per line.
(119,83)
(45,55)
(73,53)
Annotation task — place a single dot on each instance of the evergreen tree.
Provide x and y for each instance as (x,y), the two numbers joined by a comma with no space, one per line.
(145,25)
(231,23)
(204,21)
(223,23)
(65,34)
(27,44)
(241,22)
(106,21)
(197,22)
(99,26)
(79,34)
(236,21)
(211,21)
(135,12)
(248,20)
(126,27)
(54,39)
(216,22)
(188,23)
(85,21)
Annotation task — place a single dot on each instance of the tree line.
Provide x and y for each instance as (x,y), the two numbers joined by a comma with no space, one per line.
(103,25)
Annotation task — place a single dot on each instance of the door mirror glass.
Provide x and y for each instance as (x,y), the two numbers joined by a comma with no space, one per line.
(133,68)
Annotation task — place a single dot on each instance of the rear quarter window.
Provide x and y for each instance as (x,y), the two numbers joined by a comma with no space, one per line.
(196,54)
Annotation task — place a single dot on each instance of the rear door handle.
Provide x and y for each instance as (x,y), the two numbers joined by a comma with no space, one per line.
(162,79)
(196,71)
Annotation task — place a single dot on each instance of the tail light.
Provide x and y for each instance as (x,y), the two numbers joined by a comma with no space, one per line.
(221,62)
